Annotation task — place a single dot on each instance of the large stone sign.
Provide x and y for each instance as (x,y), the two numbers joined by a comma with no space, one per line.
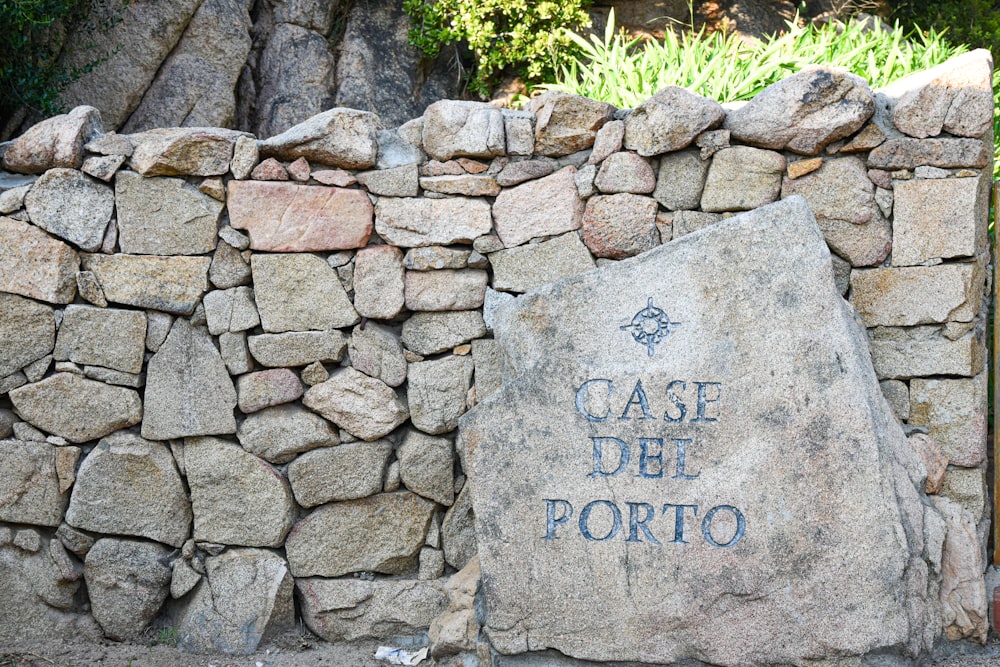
(691,459)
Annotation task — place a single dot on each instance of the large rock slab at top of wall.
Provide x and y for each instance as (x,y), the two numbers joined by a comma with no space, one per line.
(284,217)
(670,120)
(344,138)
(54,142)
(676,458)
(805,112)
(956,96)
(184,151)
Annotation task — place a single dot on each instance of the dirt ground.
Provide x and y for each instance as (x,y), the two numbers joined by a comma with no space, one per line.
(305,650)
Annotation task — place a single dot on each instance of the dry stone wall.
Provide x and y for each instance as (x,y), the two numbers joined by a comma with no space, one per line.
(227,360)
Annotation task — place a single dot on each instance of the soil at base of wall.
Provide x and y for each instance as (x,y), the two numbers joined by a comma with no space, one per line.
(302,649)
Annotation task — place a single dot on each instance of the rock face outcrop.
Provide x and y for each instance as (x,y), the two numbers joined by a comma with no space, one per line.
(666,472)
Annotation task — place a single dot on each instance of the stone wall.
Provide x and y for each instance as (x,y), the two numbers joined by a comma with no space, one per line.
(227,360)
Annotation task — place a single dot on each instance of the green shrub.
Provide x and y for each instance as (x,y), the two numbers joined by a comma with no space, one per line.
(525,36)
(31,37)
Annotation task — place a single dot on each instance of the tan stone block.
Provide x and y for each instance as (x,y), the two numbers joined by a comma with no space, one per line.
(967,487)
(34,264)
(939,218)
(954,412)
(918,294)
(921,351)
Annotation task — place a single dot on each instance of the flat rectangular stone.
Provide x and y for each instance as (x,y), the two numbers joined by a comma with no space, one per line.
(525,267)
(924,350)
(447,289)
(34,264)
(285,217)
(410,223)
(918,294)
(171,284)
(939,218)
(109,337)
(164,216)
(542,207)
(298,348)
(907,153)
(954,412)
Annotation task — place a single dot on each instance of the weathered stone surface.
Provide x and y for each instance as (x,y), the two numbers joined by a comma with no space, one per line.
(230,267)
(742,178)
(607,142)
(625,172)
(365,407)
(525,267)
(543,207)
(164,216)
(227,615)
(469,185)
(195,85)
(897,395)
(111,143)
(54,142)
(437,392)
(347,472)
(325,543)
(75,408)
(838,190)
(857,458)
(804,112)
(299,292)
(432,333)
(107,337)
(457,629)
(800,168)
(963,589)
(488,365)
(245,156)
(265,389)
(410,222)
(446,289)
(861,245)
(954,412)
(284,217)
(396,182)
(338,137)
(458,530)
(378,282)
(219,473)
(956,96)
(454,128)
(920,351)
(39,591)
(29,483)
(681,180)
(27,332)
(934,459)
(145,36)
(298,348)
(670,120)
(683,223)
(352,609)
(183,151)
(967,487)
(131,486)
(269,170)
(34,264)
(907,153)
(566,123)
(277,434)
(71,205)
(429,258)
(171,284)
(377,352)
(230,310)
(127,581)
(188,389)
(939,218)
(918,294)
(620,226)
(426,466)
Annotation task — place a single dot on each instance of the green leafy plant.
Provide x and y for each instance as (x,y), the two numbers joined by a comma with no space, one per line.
(625,71)
(32,33)
(527,37)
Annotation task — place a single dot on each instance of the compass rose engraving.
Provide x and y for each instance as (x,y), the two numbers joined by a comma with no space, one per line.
(650,326)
